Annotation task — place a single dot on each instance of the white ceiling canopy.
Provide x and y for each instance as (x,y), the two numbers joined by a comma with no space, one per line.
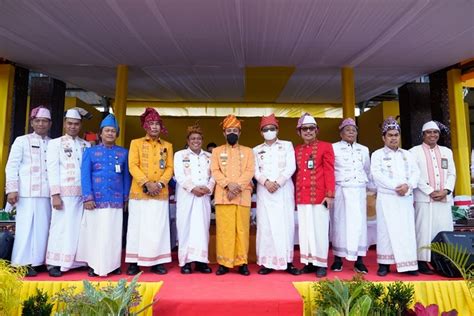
(188,50)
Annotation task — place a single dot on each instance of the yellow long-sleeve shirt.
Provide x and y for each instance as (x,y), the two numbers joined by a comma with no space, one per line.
(233,164)
(150,160)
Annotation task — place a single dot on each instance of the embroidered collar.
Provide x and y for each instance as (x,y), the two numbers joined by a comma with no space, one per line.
(148,138)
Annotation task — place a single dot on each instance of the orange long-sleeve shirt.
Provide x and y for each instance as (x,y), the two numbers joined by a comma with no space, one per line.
(144,165)
(233,164)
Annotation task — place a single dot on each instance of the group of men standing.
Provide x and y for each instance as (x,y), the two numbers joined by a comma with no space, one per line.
(70,198)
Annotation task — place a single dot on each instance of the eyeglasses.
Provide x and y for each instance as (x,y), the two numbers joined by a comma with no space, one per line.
(266,129)
(308,128)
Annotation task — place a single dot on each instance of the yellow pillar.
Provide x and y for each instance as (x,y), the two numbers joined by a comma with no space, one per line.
(459,137)
(120,103)
(348,92)
(7,77)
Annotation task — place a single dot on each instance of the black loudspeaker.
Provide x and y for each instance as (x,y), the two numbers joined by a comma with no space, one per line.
(464,240)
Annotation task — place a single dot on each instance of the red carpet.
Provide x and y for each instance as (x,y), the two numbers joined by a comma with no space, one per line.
(233,294)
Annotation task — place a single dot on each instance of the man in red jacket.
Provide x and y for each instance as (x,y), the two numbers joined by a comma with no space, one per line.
(315,185)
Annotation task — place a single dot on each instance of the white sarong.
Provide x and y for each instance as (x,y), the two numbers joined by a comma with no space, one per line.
(33,218)
(193,216)
(313,222)
(148,236)
(64,234)
(430,219)
(275,226)
(396,240)
(100,240)
(349,222)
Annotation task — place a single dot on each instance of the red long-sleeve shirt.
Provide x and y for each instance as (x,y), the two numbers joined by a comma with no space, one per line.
(313,185)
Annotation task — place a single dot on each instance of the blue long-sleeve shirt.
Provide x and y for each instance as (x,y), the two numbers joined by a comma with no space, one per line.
(104,176)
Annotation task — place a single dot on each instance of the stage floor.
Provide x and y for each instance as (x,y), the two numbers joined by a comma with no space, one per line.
(233,294)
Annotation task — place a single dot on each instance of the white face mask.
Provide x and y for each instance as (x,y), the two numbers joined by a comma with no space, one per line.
(270,135)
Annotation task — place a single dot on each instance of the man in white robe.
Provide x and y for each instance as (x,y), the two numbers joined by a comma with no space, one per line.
(395,175)
(64,158)
(27,189)
(193,202)
(433,196)
(349,217)
(274,166)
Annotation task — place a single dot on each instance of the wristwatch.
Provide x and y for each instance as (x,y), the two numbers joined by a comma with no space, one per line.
(449,191)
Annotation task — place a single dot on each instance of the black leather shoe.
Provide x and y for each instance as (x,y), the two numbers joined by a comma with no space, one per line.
(413,273)
(264,271)
(91,273)
(117,271)
(203,267)
(159,269)
(133,269)
(309,268)
(291,269)
(31,272)
(222,270)
(244,270)
(186,269)
(321,272)
(336,266)
(55,272)
(359,267)
(423,268)
(383,270)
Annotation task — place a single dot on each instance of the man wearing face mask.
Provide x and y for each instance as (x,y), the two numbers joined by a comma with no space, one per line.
(232,167)
(315,186)
(349,217)
(27,188)
(150,162)
(433,196)
(64,158)
(274,166)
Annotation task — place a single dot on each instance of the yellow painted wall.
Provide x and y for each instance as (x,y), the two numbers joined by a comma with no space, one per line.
(213,133)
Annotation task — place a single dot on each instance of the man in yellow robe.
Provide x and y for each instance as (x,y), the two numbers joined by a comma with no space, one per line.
(232,167)
(151,166)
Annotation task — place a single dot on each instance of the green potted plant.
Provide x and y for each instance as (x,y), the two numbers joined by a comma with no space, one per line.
(37,305)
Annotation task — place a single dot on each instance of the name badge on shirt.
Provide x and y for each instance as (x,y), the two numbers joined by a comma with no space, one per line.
(118,169)
(444,163)
(162,164)
(310,162)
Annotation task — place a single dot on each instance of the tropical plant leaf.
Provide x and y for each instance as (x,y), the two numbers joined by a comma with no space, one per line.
(361,307)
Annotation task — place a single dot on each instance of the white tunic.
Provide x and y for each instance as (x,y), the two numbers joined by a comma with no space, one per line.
(64,158)
(437,172)
(349,217)
(26,173)
(193,214)
(275,211)
(396,240)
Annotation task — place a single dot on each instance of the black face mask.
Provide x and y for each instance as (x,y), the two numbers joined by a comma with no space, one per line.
(232,138)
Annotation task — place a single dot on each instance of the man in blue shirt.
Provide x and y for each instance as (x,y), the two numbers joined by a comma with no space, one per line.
(105,186)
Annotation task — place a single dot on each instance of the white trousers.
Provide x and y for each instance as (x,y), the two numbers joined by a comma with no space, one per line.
(313,222)
(100,239)
(193,217)
(148,235)
(396,240)
(64,234)
(349,223)
(430,219)
(33,218)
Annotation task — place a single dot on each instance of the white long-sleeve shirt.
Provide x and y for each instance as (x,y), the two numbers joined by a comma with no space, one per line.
(352,164)
(26,169)
(192,170)
(274,162)
(391,168)
(64,158)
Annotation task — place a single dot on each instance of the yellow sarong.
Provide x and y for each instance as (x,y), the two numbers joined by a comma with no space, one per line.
(232,234)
